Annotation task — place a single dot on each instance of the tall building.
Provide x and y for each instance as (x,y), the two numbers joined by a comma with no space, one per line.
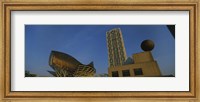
(116,49)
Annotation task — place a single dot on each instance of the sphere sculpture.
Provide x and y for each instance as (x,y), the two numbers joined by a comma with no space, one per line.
(147,45)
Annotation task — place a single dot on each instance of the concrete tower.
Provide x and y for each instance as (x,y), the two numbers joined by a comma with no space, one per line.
(116,49)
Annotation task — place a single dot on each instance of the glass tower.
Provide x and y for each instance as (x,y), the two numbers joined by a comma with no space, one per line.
(116,49)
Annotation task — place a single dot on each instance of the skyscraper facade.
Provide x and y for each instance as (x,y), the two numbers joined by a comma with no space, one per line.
(116,49)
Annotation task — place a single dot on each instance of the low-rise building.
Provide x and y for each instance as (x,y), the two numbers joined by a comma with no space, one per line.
(143,65)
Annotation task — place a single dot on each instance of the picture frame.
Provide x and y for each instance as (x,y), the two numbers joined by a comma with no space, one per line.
(120,5)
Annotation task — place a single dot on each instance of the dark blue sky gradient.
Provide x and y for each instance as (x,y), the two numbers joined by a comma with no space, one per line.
(87,43)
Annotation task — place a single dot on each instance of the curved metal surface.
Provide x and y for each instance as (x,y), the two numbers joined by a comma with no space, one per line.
(62,60)
(65,64)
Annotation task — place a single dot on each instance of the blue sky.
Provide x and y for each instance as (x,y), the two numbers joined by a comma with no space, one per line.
(87,43)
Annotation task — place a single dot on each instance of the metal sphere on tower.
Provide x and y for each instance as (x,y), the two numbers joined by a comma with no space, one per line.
(147,45)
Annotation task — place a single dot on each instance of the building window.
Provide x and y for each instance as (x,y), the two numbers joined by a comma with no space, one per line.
(138,71)
(115,74)
(126,73)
